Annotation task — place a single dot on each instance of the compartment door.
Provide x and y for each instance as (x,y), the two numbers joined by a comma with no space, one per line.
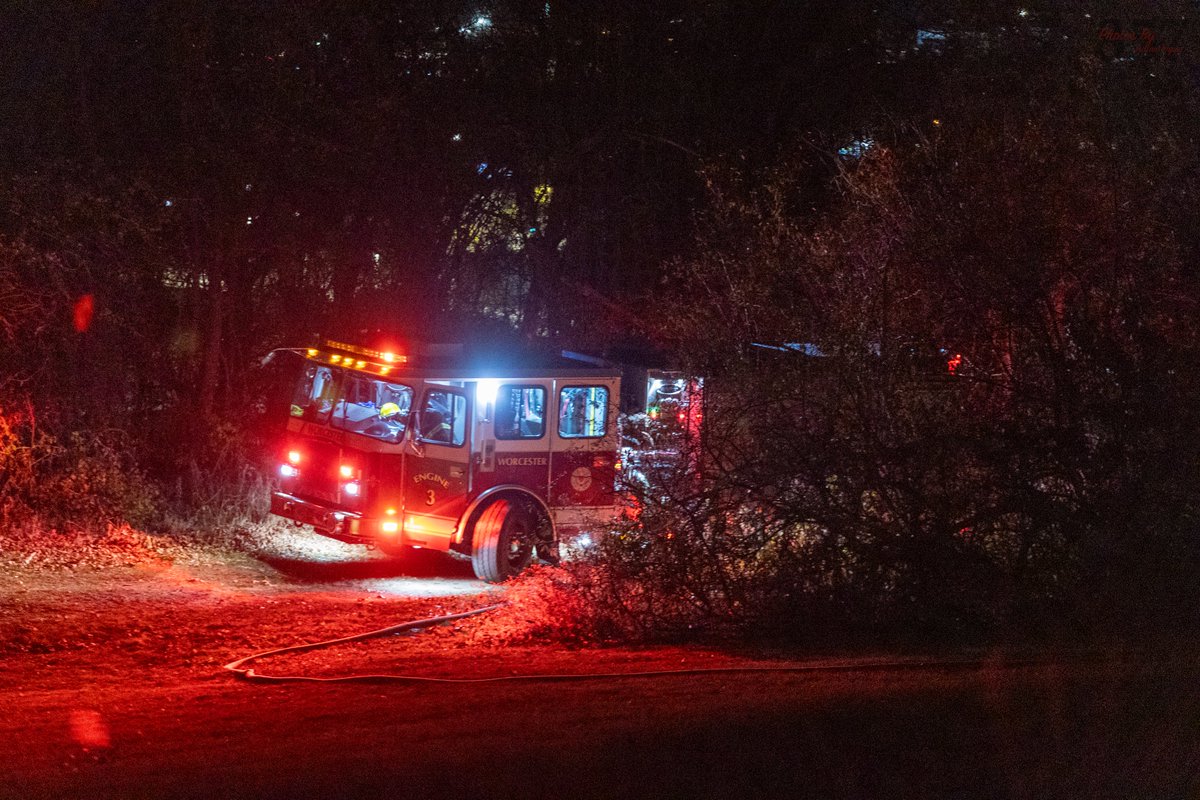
(584,457)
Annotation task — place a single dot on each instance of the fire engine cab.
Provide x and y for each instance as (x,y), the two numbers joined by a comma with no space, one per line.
(497,461)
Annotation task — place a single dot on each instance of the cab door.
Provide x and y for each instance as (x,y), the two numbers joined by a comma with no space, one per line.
(438,474)
(515,447)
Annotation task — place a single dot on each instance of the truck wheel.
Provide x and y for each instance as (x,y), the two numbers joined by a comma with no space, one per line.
(502,544)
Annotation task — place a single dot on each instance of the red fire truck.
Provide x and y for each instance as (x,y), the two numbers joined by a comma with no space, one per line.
(428,449)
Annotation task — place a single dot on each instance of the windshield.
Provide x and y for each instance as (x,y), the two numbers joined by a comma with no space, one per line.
(353,402)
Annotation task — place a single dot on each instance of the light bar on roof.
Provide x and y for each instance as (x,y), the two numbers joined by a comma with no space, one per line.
(377,361)
(378,355)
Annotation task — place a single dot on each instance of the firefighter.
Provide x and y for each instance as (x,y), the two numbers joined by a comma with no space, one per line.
(435,428)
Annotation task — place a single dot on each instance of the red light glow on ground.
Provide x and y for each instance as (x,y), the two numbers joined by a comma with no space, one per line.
(88,729)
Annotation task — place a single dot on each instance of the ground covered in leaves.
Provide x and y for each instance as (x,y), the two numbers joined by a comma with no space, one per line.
(110,670)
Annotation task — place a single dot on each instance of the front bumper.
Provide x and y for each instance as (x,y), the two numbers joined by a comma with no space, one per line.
(332,522)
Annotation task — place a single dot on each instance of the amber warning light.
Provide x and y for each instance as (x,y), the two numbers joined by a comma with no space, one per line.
(387,356)
(379,361)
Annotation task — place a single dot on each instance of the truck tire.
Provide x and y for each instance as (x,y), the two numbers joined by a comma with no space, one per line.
(502,542)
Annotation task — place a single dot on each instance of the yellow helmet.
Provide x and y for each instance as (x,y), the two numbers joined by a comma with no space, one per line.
(389,410)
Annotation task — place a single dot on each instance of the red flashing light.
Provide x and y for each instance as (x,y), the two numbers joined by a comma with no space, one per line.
(953,363)
(294,456)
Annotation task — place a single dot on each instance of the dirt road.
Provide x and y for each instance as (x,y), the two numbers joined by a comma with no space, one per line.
(111,687)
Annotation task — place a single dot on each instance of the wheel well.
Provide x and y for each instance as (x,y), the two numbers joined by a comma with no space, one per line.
(524,499)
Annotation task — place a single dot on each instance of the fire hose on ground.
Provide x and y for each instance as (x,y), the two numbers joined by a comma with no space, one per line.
(241,667)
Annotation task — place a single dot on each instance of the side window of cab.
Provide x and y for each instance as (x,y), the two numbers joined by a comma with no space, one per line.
(443,418)
(315,393)
(582,412)
(520,411)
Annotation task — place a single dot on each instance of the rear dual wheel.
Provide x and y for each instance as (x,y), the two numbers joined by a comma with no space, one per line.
(502,544)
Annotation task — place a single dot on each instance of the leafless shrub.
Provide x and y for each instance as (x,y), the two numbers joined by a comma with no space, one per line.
(957,428)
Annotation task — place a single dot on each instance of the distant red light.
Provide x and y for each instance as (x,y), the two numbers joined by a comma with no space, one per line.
(953,363)
(85,308)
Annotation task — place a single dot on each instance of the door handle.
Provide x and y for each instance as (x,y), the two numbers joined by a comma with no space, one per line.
(456,472)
